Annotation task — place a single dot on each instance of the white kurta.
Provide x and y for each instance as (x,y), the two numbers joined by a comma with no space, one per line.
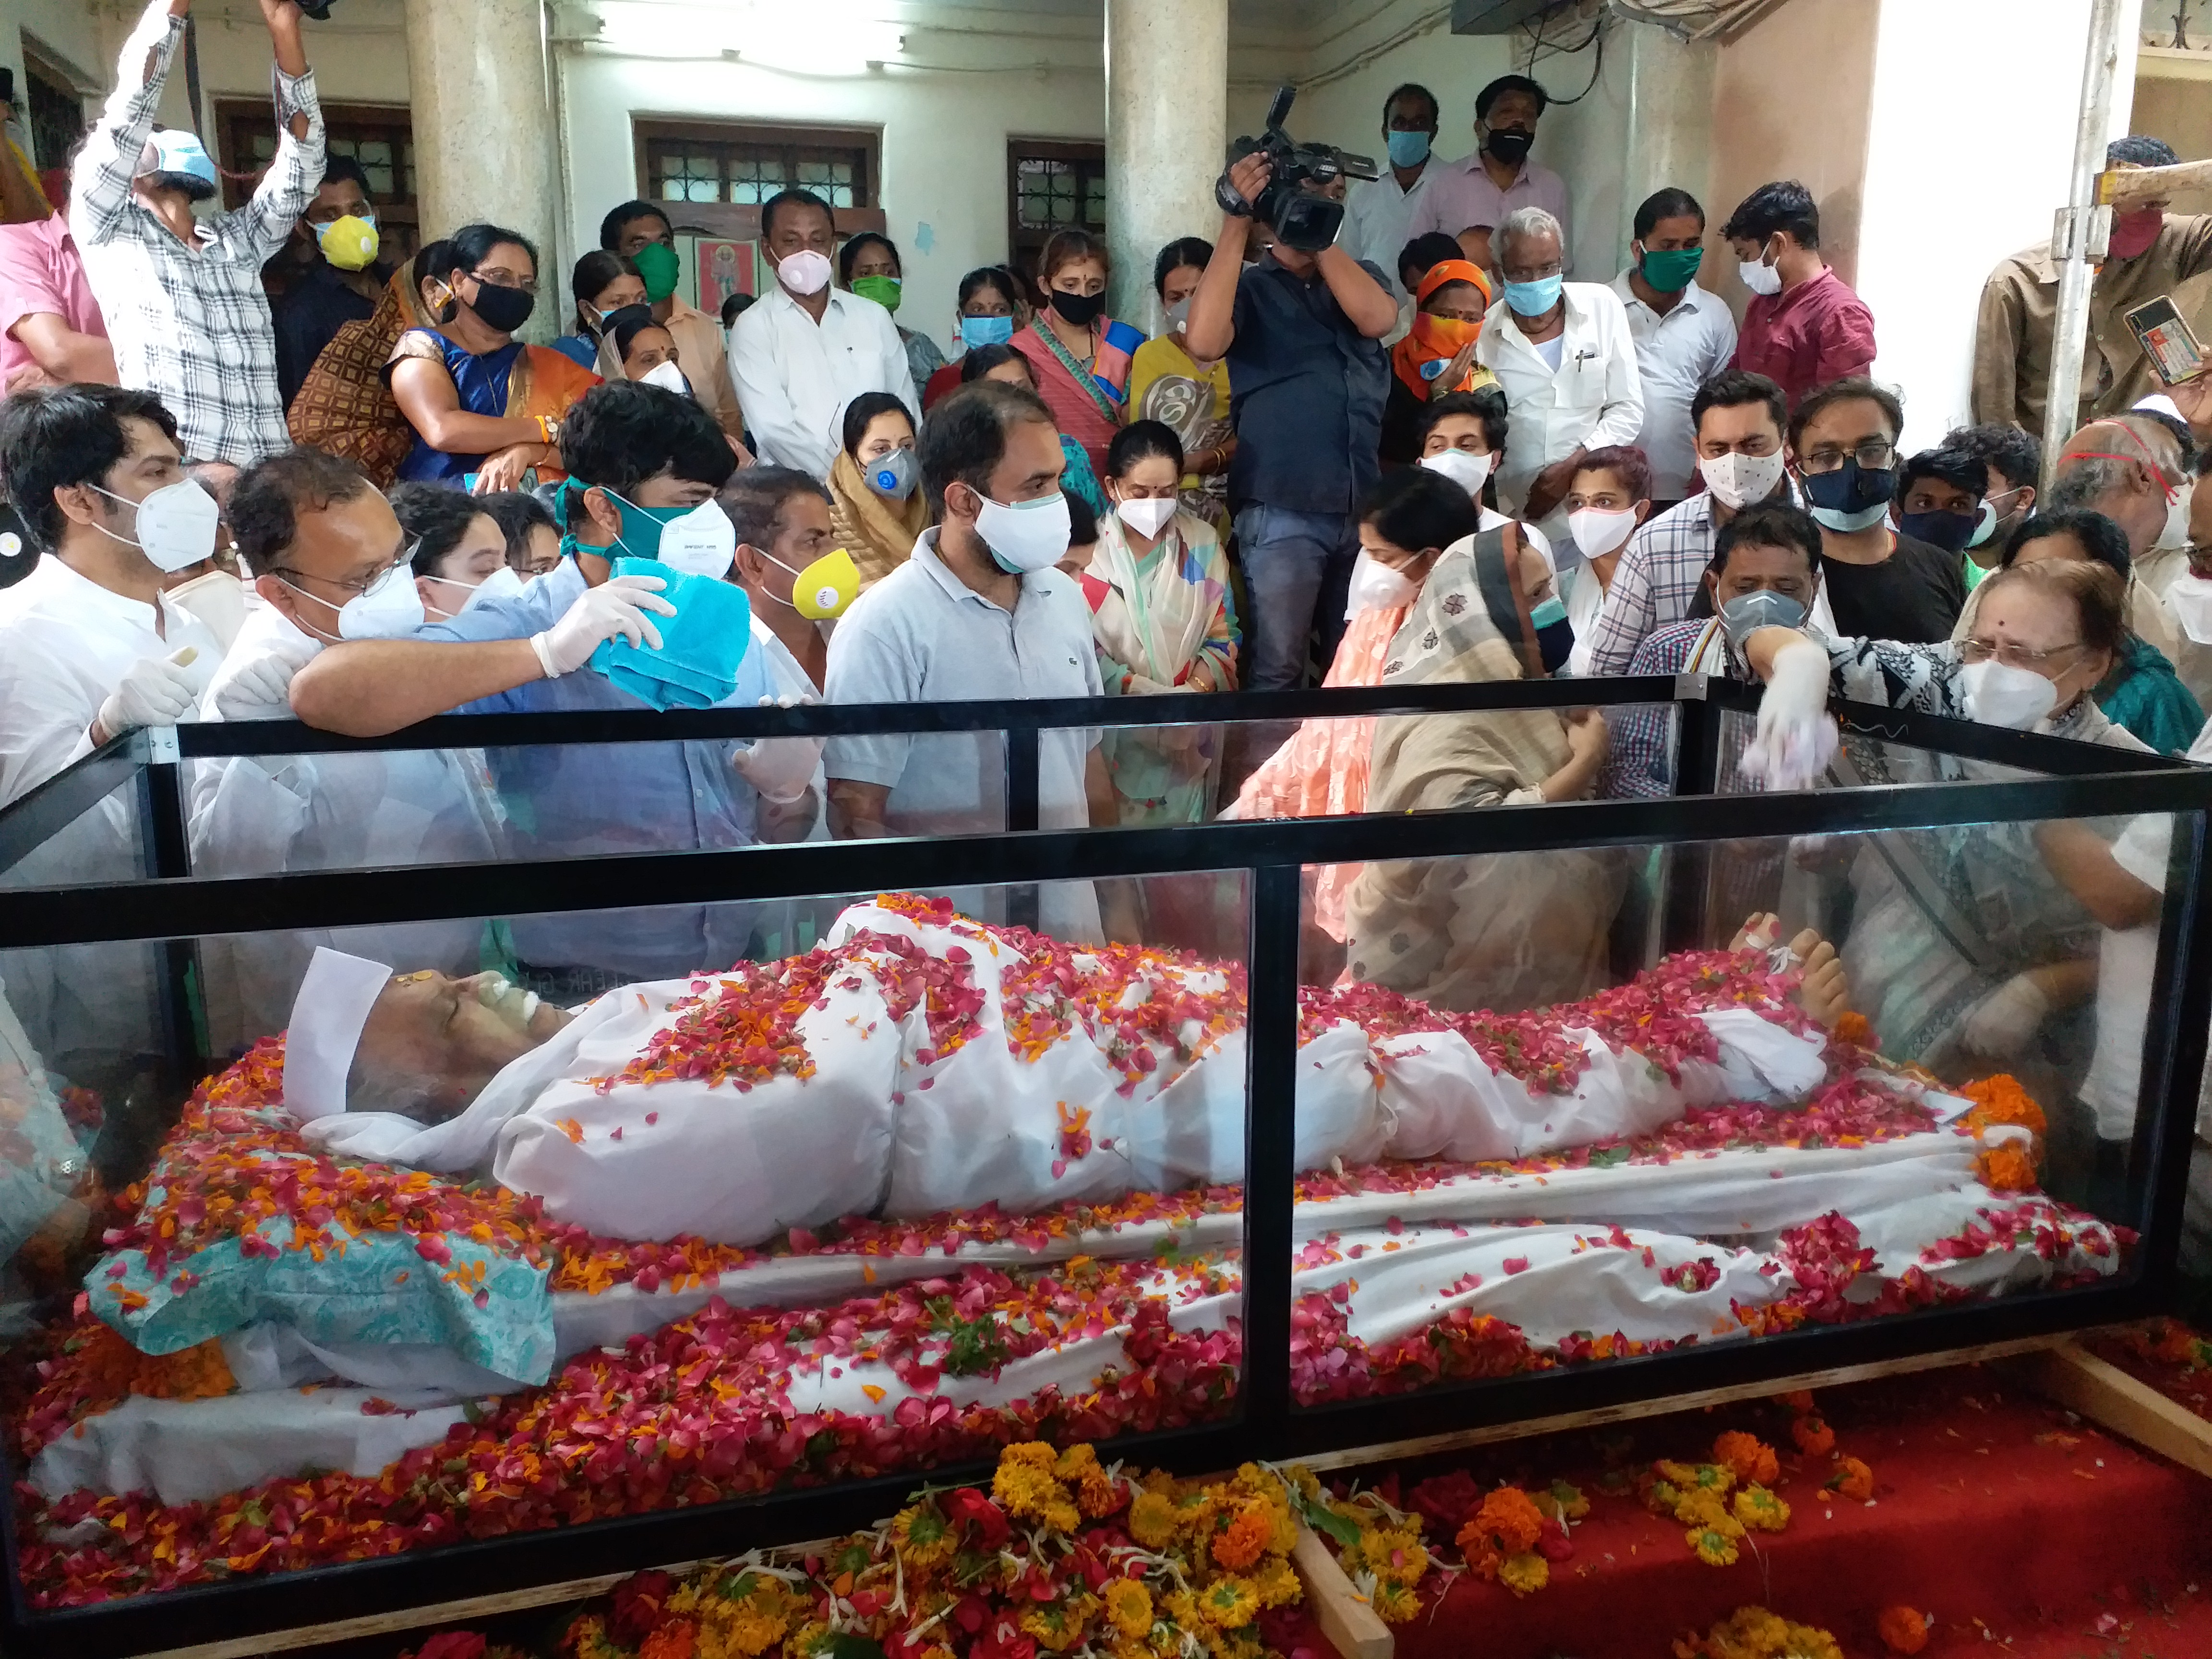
(794,375)
(270,814)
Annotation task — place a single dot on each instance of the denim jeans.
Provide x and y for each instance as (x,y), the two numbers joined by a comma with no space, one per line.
(1298,567)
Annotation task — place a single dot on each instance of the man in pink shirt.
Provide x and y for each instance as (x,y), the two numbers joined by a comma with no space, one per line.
(1802,328)
(1478,192)
(51,330)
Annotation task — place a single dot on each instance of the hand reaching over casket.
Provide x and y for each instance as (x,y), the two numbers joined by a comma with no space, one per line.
(1796,739)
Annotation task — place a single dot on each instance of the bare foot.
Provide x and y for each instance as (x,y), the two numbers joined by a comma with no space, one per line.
(1758,933)
(1825,993)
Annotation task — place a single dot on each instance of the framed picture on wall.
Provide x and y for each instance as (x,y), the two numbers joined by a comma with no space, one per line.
(723,268)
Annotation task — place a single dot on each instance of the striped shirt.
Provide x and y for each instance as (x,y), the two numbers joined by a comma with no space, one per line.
(192,324)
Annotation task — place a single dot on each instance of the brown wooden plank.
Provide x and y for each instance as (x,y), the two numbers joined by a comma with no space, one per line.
(2101,1392)
(1353,1628)
(2128,187)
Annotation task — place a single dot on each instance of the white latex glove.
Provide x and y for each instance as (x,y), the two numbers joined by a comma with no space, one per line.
(156,691)
(616,607)
(264,683)
(1796,740)
(2006,1020)
(781,768)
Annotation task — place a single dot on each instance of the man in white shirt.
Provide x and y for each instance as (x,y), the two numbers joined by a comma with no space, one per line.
(90,649)
(807,350)
(1378,212)
(1563,353)
(1684,335)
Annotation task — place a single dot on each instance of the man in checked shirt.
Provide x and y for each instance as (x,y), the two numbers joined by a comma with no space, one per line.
(183,297)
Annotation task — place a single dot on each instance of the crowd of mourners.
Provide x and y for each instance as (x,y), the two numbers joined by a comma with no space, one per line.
(369,500)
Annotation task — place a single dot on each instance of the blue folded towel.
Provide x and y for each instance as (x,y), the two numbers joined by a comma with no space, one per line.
(700,646)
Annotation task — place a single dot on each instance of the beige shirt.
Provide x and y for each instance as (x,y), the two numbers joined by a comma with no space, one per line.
(2019,308)
(705,363)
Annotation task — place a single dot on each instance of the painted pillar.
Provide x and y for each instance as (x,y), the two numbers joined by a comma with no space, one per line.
(1167,106)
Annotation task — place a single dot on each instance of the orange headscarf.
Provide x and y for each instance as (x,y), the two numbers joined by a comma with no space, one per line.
(1424,353)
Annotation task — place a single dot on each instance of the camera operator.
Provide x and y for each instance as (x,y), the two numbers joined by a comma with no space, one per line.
(1307,380)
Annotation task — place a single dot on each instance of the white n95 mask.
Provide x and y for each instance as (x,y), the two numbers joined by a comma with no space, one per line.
(503,583)
(390,609)
(1377,587)
(1598,532)
(1148,516)
(1469,471)
(176,524)
(702,543)
(1026,535)
(1738,480)
(1997,694)
(668,378)
(2190,599)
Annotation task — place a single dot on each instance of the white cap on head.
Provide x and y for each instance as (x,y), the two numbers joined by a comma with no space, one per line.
(335,994)
(2158,403)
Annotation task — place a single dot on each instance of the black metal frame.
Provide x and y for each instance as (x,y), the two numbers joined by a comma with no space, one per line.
(2072,780)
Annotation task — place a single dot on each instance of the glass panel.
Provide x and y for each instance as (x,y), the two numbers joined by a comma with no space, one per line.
(915,1183)
(1564,1107)
(1094,200)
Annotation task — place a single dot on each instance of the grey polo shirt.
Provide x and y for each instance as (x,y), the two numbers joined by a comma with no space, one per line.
(922,635)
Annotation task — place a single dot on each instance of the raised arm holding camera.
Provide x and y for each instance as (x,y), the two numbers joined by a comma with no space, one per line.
(182,295)
(1300,330)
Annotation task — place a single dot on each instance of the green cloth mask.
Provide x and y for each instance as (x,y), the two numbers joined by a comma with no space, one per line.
(657,266)
(1669,269)
(884,291)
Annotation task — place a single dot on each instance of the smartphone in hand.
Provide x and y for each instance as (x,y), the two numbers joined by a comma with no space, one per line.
(2176,355)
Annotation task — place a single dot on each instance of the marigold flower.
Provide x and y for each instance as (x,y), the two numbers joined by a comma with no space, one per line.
(1245,1539)
(1152,1521)
(1852,1479)
(1510,1521)
(1129,1607)
(1228,1603)
(1278,1583)
(1712,1546)
(1760,1510)
(1746,1456)
(1525,1573)
(2008,1168)
(922,1537)
(1813,1437)
(1902,1629)
(1393,1603)
(673,1640)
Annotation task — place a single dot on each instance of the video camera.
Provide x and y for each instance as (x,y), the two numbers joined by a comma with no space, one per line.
(1302,220)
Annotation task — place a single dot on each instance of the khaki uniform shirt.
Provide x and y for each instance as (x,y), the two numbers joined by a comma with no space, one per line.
(2019,308)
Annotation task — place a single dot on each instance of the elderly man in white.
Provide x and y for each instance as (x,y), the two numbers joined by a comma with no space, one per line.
(808,350)
(1565,355)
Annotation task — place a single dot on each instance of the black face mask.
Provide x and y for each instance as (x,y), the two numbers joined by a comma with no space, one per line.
(504,309)
(1555,641)
(1081,309)
(1950,531)
(1510,145)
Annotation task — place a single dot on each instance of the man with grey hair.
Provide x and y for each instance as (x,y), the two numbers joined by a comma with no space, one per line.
(1563,353)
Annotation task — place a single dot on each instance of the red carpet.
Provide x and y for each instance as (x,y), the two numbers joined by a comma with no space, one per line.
(2018,1529)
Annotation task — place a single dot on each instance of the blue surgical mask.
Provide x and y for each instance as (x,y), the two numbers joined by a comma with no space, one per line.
(1533,299)
(1407,150)
(986,330)
(176,150)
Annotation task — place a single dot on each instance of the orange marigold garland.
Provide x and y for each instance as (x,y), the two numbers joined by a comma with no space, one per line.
(1902,1629)
(2010,1166)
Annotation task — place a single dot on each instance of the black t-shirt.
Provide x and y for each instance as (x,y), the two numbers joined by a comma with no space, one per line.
(1914,595)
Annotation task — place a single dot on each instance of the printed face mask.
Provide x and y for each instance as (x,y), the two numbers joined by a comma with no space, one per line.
(176,524)
(1737,480)
(1147,517)
(1468,471)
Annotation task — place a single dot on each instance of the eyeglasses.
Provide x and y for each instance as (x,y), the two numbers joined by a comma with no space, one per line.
(1525,274)
(1875,454)
(505,279)
(2013,656)
(365,585)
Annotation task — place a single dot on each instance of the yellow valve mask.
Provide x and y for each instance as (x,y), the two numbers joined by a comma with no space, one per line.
(824,588)
(349,243)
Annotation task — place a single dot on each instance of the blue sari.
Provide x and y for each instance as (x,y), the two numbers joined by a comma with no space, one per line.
(482,383)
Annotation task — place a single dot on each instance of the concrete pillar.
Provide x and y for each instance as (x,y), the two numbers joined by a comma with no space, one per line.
(1167,106)
(483,131)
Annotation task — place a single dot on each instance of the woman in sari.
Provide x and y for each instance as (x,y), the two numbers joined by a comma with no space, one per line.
(876,507)
(1502,931)
(1437,357)
(1170,385)
(1158,587)
(1082,356)
(1964,948)
(481,402)
(344,406)
(1409,520)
